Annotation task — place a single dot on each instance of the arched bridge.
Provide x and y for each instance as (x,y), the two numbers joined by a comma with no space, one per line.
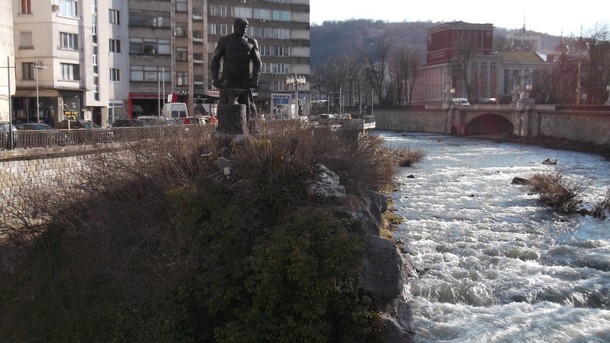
(477,120)
(578,123)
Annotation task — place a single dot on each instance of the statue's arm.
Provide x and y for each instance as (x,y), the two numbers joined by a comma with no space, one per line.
(255,56)
(215,67)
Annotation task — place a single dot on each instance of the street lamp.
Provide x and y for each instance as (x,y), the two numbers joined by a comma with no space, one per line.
(36,67)
(296,80)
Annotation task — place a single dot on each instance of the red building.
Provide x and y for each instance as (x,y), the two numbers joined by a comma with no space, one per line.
(444,40)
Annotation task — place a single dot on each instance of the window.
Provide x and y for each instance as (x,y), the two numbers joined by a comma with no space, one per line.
(27,71)
(115,46)
(68,8)
(69,71)
(68,41)
(149,73)
(283,51)
(149,46)
(261,32)
(242,12)
(25,7)
(280,68)
(218,29)
(218,11)
(281,15)
(279,86)
(281,33)
(198,36)
(262,14)
(181,6)
(114,17)
(115,74)
(182,54)
(182,78)
(149,18)
(25,40)
(181,29)
(265,50)
(94,28)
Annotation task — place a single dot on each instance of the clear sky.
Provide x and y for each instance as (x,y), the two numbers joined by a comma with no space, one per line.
(541,16)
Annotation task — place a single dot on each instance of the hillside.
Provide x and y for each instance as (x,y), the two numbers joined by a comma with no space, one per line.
(335,38)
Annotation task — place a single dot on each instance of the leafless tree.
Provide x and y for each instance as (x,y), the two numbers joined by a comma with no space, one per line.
(403,66)
(463,48)
(376,66)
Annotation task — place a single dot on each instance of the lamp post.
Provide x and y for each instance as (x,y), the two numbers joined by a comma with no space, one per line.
(36,67)
(296,80)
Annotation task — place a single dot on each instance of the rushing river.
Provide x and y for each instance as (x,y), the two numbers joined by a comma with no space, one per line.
(495,264)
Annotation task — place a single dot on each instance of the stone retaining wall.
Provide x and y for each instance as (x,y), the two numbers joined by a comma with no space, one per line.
(23,168)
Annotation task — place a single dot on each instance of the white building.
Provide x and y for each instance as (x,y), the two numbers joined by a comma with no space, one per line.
(7,58)
(70,56)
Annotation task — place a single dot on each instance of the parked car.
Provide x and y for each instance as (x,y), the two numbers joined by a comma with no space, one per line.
(85,131)
(129,123)
(155,120)
(4,128)
(193,120)
(77,124)
(44,136)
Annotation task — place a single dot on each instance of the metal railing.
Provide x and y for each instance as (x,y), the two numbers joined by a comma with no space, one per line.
(53,138)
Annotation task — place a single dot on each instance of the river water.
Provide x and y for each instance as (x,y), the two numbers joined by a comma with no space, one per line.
(495,264)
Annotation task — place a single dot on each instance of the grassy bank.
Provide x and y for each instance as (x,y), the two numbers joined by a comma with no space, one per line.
(159,244)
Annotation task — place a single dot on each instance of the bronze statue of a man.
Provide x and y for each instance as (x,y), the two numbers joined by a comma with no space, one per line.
(237,50)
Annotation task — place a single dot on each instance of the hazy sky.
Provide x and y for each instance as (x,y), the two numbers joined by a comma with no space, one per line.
(541,16)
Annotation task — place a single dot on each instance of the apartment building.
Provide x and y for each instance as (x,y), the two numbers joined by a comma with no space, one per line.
(69,60)
(7,59)
(172,43)
(107,59)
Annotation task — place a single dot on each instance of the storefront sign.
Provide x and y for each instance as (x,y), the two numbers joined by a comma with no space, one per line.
(281,96)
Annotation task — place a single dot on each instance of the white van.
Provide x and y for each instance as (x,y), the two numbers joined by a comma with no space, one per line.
(460,101)
(175,110)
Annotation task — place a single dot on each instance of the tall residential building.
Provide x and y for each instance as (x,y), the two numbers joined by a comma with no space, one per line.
(107,59)
(69,57)
(7,58)
(172,43)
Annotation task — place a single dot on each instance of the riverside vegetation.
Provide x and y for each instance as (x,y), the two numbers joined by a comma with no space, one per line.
(158,244)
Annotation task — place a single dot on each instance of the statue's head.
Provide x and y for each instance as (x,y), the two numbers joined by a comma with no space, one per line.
(240,26)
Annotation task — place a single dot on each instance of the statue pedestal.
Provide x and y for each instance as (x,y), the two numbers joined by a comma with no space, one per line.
(232,119)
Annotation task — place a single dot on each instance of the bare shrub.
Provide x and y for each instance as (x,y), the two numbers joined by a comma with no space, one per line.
(156,243)
(557,192)
(406,157)
(602,209)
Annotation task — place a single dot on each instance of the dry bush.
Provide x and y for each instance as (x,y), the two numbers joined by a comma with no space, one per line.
(406,157)
(562,195)
(155,243)
(602,208)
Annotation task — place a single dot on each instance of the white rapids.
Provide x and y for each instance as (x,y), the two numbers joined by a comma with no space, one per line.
(495,264)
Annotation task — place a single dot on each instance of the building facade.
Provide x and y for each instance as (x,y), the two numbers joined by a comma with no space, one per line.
(65,64)
(461,63)
(7,59)
(108,59)
(172,44)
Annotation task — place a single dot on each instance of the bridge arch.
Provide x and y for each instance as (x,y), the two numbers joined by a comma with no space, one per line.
(489,123)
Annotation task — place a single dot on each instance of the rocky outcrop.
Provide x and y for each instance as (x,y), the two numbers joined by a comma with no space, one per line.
(326,184)
(386,269)
(387,272)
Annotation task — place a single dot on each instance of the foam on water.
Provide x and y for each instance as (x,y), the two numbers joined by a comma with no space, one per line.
(496,265)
